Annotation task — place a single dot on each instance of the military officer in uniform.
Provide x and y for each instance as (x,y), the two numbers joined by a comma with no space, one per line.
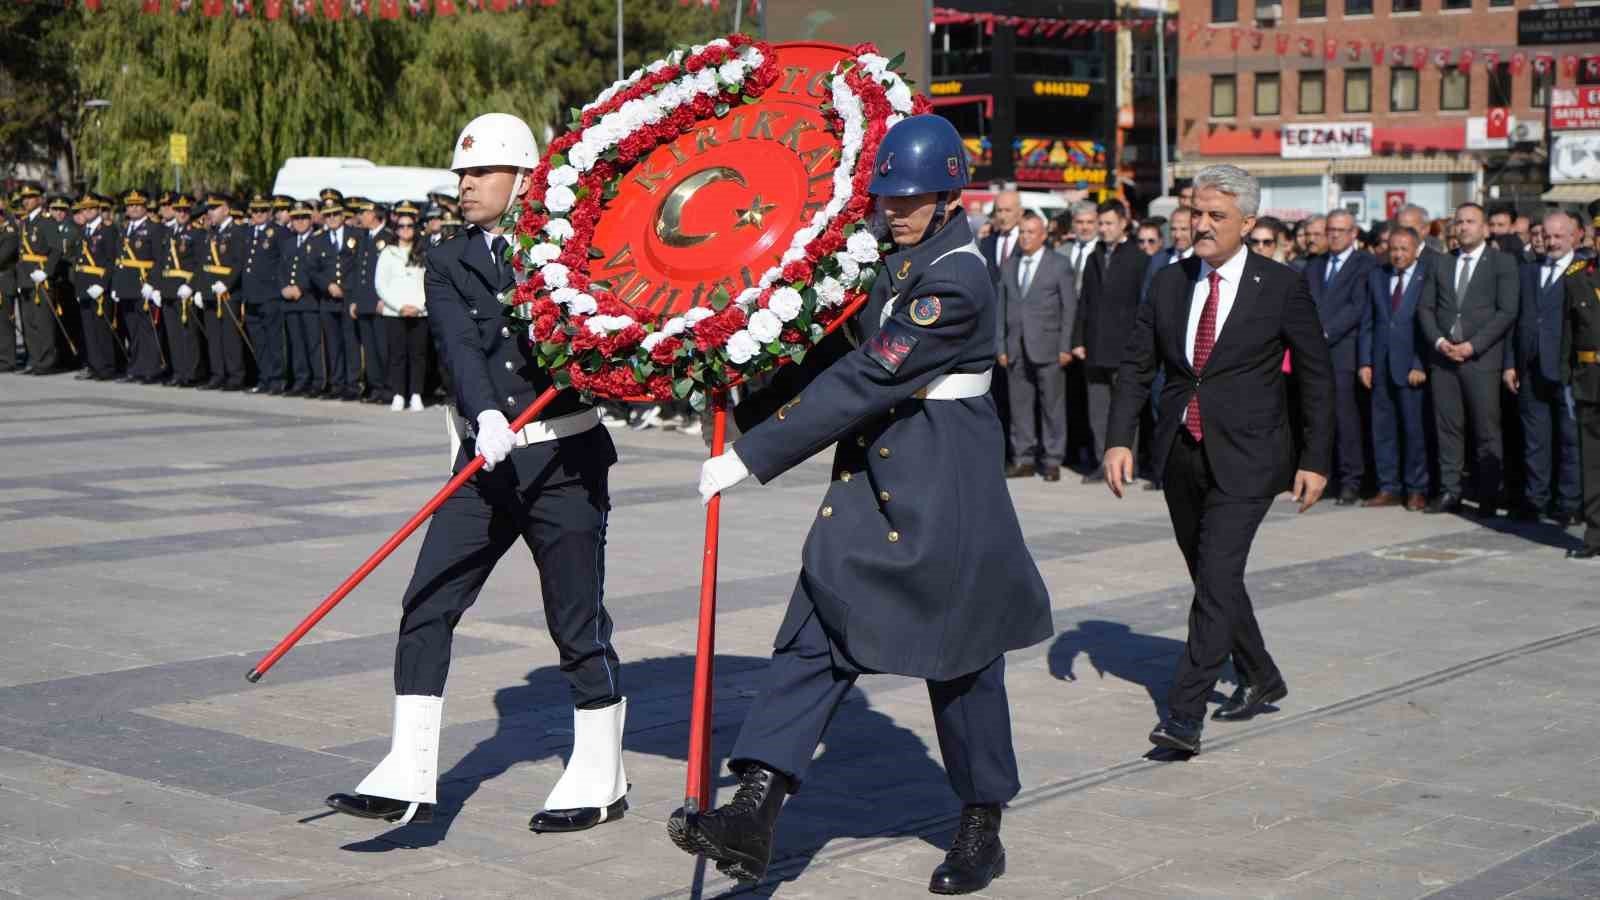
(10,249)
(305,369)
(219,279)
(364,302)
(137,297)
(172,280)
(332,257)
(915,564)
(263,304)
(282,204)
(92,283)
(545,485)
(40,263)
(1580,371)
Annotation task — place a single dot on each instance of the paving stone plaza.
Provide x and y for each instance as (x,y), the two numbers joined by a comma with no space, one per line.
(1437,741)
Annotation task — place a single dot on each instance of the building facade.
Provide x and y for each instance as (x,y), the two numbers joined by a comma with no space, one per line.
(1370,104)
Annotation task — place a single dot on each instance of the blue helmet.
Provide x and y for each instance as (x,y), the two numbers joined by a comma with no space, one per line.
(920,155)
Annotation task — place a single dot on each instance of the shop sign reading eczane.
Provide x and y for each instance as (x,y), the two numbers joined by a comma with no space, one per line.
(1324,140)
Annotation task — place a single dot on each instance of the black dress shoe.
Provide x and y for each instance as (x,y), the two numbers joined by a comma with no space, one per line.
(1584,553)
(1565,519)
(738,836)
(555,821)
(1176,734)
(231,387)
(975,858)
(1525,512)
(208,386)
(1153,485)
(85,375)
(1020,470)
(1444,503)
(364,806)
(1051,473)
(1248,700)
(1099,474)
(350,396)
(1349,497)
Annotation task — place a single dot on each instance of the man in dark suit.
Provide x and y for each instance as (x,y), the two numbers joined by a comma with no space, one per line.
(1180,249)
(1037,304)
(1106,311)
(1340,282)
(1220,323)
(332,262)
(1533,373)
(1391,367)
(1085,238)
(1001,243)
(1467,309)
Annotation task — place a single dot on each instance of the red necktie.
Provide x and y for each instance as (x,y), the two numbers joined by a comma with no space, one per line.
(1399,294)
(1205,337)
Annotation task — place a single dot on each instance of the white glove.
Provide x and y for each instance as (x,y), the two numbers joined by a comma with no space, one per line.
(37,275)
(145,290)
(495,439)
(200,301)
(155,297)
(95,291)
(184,291)
(719,473)
(218,288)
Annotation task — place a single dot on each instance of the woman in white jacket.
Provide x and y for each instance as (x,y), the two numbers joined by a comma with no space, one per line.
(399,283)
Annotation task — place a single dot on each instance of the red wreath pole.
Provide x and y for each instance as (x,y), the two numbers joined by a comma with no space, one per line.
(389,546)
(697,792)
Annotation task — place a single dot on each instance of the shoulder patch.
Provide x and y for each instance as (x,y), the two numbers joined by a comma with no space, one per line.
(891,345)
(925,310)
(1578,265)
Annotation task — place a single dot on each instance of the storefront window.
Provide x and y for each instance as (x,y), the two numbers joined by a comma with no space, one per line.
(1403,89)
(962,50)
(1455,86)
(1313,9)
(1224,10)
(1267,99)
(1357,90)
(1312,86)
(1223,97)
(1079,57)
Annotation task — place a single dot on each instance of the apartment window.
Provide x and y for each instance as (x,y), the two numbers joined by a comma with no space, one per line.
(1312,90)
(1502,2)
(1313,9)
(1224,10)
(1402,89)
(1357,90)
(1500,85)
(1455,87)
(1267,94)
(1541,87)
(1457,4)
(1406,6)
(1224,98)
(1358,7)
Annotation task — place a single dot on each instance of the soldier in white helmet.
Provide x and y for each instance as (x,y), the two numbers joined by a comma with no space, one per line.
(545,485)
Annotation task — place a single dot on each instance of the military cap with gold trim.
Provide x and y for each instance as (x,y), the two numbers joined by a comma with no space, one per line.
(282,201)
(260,202)
(332,207)
(217,198)
(60,201)
(327,194)
(406,208)
(107,204)
(182,200)
(29,189)
(300,209)
(135,197)
(451,218)
(432,212)
(87,201)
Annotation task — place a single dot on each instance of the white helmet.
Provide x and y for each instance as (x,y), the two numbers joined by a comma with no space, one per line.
(495,139)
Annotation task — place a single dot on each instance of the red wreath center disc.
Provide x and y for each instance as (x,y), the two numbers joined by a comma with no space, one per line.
(720,204)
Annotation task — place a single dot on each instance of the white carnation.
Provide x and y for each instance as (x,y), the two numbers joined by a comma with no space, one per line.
(558,229)
(785,304)
(899,95)
(582,156)
(562,176)
(862,247)
(563,296)
(764,326)
(731,71)
(748,297)
(656,66)
(560,199)
(555,275)
(694,316)
(769,278)
(608,324)
(849,270)
(541,253)
(874,63)
(582,305)
(674,326)
(830,293)
(705,81)
(742,348)
(793,254)
(652,339)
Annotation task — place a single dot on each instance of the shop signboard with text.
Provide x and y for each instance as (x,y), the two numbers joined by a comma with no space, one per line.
(1326,140)
(1575,108)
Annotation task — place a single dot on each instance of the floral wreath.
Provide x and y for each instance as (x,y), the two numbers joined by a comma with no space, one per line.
(586,337)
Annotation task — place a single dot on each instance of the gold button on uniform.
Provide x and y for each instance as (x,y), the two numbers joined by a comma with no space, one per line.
(861,440)
(894,537)
(845,476)
(827,512)
(883,452)
(884,496)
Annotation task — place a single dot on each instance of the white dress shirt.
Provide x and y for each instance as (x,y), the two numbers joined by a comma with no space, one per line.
(1028,269)
(1231,271)
(1003,245)
(1467,261)
(1552,270)
(1404,277)
(1332,271)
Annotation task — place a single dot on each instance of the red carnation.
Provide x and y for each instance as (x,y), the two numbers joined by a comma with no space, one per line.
(666,352)
(790,336)
(864,48)
(799,270)
(715,331)
(920,105)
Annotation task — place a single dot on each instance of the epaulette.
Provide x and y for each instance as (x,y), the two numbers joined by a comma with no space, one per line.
(1579,265)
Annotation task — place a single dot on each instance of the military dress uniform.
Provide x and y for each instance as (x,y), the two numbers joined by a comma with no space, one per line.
(198,258)
(132,283)
(306,367)
(10,248)
(172,274)
(369,321)
(1580,370)
(42,251)
(223,255)
(97,305)
(263,304)
(332,261)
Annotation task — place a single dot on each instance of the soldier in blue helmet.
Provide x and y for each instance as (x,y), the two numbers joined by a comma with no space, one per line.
(915,564)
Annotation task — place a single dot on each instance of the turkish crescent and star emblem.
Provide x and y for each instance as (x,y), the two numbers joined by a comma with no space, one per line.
(467,141)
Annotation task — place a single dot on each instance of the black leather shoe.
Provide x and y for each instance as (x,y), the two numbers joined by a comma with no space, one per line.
(1051,473)
(1444,503)
(208,386)
(1525,512)
(975,858)
(85,375)
(555,821)
(1153,486)
(363,806)
(1175,734)
(1584,553)
(1565,519)
(738,836)
(1349,497)
(1099,474)
(1020,470)
(1248,700)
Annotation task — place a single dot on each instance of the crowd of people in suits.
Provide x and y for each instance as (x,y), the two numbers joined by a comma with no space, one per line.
(1446,338)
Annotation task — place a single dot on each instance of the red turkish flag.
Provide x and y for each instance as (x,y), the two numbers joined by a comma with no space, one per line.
(1234,37)
(1441,58)
(1307,46)
(500,5)
(1569,66)
(1353,50)
(274,9)
(1519,61)
(1543,62)
(1464,60)
(91,5)
(1491,58)
(1591,66)
(1419,57)
(444,7)
(1376,47)
(388,9)
(1282,41)
(332,9)
(1256,37)
(1397,54)
(1497,125)
(1330,49)
(151,7)
(211,8)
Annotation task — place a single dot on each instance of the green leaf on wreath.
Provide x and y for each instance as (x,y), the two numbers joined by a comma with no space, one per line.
(797,356)
(720,298)
(721,110)
(559,361)
(681,387)
(558,160)
(749,99)
(775,347)
(549,348)
(561,379)
(596,252)
(898,61)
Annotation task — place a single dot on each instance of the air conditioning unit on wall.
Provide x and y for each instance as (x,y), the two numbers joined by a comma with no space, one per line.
(1527,132)
(1268,13)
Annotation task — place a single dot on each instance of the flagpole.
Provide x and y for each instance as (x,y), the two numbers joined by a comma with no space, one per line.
(738,8)
(619,40)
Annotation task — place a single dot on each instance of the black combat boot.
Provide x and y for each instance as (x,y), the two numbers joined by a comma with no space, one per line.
(976,858)
(738,836)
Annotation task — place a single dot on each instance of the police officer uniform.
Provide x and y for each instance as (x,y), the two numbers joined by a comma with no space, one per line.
(10,248)
(364,296)
(131,283)
(92,283)
(263,303)
(39,265)
(332,260)
(1580,370)
(915,564)
(546,485)
(172,278)
(305,370)
(220,278)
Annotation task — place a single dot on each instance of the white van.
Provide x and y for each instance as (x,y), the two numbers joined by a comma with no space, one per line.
(303,177)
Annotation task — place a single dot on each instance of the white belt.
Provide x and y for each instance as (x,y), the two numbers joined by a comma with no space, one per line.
(957,386)
(541,431)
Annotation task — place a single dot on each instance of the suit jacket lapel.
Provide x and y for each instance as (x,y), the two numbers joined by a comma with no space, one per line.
(477,259)
(1243,300)
(1180,302)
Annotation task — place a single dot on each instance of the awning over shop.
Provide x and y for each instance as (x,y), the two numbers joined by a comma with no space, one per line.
(1269,167)
(1259,166)
(1577,192)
